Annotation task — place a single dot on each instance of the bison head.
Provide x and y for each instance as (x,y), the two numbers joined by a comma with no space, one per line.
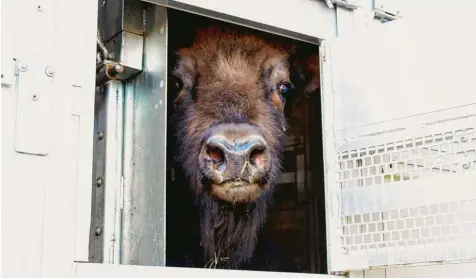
(231,91)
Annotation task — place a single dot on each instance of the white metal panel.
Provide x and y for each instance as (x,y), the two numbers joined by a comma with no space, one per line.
(87,270)
(33,86)
(312,18)
(394,67)
(461,270)
(7,64)
(23,177)
(82,86)
(39,193)
(400,128)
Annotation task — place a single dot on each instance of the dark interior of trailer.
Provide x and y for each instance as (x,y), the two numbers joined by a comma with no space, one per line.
(294,237)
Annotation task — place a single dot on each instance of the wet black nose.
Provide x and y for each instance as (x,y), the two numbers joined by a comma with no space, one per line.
(236,151)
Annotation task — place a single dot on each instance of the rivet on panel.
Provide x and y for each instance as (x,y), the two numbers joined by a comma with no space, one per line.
(466,166)
(100,135)
(99,181)
(35,97)
(98,231)
(49,71)
(464,139)
(39,8)
(161,83)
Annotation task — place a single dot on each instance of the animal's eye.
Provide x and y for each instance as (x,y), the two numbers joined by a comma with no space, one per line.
(178,84)
(284,88)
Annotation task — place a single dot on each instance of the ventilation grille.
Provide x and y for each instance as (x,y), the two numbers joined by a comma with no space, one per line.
(392,216)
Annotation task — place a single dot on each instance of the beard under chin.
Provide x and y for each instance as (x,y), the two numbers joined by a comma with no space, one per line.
(231,230)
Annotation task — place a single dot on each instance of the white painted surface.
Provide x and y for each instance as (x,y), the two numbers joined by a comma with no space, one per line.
(308,17)
(40,193)
(87,270)
(460,270)
(402,67)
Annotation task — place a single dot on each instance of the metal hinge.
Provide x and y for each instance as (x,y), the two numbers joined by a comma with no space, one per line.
(342,3)
(340,273)
(385,16)
(352,5)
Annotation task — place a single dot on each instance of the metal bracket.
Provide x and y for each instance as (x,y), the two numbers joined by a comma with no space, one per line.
(342,3)
(385,16)
(121,28)
(33,116)
(340,273)
(352,5)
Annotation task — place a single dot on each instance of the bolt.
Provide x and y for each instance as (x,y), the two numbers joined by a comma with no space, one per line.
(100,135)
(23,67)
(115,70)
(98,231)
(34,97)
(99,181)
(49,71)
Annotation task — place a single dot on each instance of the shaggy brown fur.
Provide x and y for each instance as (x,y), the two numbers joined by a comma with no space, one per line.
(228,78)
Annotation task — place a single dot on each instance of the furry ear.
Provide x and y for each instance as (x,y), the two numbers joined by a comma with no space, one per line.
(312,72)
(305,76)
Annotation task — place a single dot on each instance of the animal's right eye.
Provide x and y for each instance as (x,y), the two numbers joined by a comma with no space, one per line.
(177,84)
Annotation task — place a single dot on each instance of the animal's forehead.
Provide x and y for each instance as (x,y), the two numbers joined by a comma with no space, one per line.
(222,61)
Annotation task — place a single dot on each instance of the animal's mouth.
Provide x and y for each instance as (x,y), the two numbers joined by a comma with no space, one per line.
(235,184)
(236,191)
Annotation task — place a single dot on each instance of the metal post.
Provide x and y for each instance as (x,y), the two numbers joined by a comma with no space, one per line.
(145,149)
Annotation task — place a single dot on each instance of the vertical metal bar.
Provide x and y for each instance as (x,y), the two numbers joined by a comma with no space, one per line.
(97,209)
(128,170)
(145,149)
(113,171)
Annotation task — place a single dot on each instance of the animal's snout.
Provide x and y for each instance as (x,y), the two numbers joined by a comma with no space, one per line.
(235,152)
(248,150)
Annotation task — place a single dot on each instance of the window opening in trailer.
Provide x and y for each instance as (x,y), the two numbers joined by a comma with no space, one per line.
(292,238)
(138,179)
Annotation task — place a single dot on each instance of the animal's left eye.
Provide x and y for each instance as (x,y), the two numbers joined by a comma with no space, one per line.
(284,88)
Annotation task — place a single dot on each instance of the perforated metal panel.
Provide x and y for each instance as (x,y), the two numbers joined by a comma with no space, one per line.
(401,170)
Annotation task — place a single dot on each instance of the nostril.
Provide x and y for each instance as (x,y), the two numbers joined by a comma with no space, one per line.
(257,157)
(215,154)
